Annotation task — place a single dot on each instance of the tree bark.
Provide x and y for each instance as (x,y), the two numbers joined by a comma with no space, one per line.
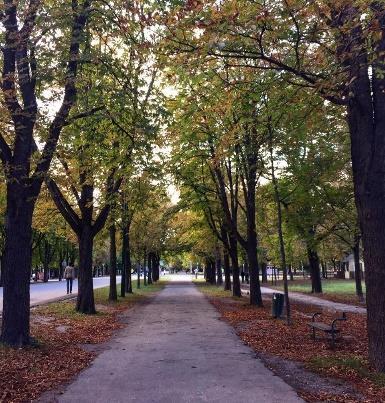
(366,120)
(357,268)
(47,255)
(149,273)
(17,269)
(1,270)
(218,264)
(128,281)
(156,266)
(255,287)
(226,269)
(264,272)
(235,266)
(226,258)
(85,300)
(60,266)
(145,267)
(210,271)
(138,273)
(113,296)
(316,285)
(123,282)
(291,274)
(324,269)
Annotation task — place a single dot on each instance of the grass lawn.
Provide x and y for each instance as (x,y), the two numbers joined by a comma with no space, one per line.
(64,309)
(101,294)
(212,290)
(335,290)
(329,286)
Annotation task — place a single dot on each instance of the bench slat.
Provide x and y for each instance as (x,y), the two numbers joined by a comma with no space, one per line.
(322,326)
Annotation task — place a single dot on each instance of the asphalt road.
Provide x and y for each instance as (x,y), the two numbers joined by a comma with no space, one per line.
(44,292)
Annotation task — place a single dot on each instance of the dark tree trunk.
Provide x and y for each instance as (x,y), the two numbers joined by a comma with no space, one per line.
(357,268)
(264,272)
(138,278)
(47,257)
(45,273)
(85,300)
(324,269)
(366,120)
(145,268)
(156,267)
(247,159)
(113,296)
(373,239)
(291,274)
(128,281)
(17,269)
(71,254)
(218,264)
(60,266)
(124,264)
(1,270)
(255,287)
(210,270)
(226,269)
(315,275)
(149,274)
(226,258)
(235,266)
(230,217)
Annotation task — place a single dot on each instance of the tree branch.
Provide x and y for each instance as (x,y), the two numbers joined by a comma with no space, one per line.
(112,188)
(79,22)
(63,206)
(83,115)
(5,151)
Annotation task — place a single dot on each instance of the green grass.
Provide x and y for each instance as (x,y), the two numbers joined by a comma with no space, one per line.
(61,309)
(345,287)
(101,294)
(213,290)
(349,363)
(65,309)
(200,279)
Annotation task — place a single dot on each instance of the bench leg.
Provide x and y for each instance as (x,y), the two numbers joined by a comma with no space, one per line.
(313,335)
(333,339)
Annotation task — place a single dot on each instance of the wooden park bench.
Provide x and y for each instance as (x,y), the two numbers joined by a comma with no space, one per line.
(328,329)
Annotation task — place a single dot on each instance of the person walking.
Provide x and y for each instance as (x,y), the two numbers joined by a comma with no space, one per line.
(69,274)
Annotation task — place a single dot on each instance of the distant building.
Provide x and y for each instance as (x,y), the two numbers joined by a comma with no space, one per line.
(348,264)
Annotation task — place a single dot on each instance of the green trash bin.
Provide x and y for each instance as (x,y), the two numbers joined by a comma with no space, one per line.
(277,305)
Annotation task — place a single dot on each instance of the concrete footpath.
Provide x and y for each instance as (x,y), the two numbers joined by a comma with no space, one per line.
(173,350)
(308,299)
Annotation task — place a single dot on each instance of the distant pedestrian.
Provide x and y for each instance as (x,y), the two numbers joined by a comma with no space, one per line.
(69,274)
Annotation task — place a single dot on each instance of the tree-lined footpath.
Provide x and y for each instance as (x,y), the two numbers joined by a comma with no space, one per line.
(267,101)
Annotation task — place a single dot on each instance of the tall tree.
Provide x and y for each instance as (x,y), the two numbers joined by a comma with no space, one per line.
(22,78)
(335,48)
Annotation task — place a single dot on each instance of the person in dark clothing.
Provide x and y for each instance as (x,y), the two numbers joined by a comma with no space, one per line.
(69,274)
